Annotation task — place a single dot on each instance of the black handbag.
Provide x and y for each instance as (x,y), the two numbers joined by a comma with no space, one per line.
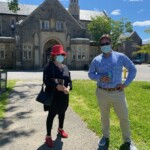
(45,98)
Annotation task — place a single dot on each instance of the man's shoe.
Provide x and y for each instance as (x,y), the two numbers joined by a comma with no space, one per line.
(127,146)
(49,142)
(62,133)
(103,142)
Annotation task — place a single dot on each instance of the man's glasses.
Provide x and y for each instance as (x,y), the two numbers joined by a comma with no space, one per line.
(103,44)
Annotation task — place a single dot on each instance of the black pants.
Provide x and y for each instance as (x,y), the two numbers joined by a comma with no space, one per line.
(49,122)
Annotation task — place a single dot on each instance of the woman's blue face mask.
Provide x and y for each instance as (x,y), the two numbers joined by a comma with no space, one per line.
(60,58)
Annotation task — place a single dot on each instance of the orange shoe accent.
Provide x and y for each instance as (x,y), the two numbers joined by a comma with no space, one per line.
(49,142)
(62,133)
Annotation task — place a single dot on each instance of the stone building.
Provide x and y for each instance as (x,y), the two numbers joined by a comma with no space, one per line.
(129,44)
(26,38)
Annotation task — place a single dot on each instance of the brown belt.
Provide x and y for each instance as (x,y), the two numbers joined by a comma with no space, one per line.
(108,89)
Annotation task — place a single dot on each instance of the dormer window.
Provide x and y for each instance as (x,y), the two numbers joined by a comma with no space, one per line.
(60,25)
(44,24)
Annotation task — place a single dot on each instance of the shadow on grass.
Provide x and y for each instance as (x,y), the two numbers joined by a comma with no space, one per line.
(146,87)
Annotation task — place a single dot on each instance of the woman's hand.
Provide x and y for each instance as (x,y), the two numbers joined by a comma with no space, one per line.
(60,87)
(66,90)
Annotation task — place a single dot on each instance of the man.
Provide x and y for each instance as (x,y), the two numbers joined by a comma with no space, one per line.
(106,69)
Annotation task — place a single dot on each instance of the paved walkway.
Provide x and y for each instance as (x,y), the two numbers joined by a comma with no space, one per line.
(24,125)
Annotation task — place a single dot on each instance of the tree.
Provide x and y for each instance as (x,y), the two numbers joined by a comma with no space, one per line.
(144,49)
(13,6)
(119,30)
(102,25)
(99,26)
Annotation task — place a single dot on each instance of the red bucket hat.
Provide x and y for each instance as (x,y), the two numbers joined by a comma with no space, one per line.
(57,50)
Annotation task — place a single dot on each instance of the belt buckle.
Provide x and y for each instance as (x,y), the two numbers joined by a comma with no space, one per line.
(111,89)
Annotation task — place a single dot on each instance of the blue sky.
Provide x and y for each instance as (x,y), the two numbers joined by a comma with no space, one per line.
(137,11)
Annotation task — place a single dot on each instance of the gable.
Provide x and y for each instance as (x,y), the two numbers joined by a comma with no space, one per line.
(26,9)
(52,9)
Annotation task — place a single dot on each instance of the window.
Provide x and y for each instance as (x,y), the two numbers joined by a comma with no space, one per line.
(73,54)
(59,25)
(81,55)
(27,52)
(45,24)
(0,25)
(2,51)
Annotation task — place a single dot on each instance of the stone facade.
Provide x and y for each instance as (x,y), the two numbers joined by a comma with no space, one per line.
(26,38)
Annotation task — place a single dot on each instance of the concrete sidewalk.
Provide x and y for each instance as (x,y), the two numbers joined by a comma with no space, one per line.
(24,125)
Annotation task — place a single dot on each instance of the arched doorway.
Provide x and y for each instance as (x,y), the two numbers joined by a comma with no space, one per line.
(47,49)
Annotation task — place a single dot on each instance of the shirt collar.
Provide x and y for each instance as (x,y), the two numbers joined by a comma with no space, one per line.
(103,55)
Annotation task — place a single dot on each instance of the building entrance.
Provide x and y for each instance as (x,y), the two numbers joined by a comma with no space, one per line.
(47,50)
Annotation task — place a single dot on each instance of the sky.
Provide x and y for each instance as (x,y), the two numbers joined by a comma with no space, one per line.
(136,11)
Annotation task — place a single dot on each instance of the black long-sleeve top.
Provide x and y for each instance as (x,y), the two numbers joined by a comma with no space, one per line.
(52,76)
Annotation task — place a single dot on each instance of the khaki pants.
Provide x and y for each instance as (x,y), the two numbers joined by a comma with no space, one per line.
(117,100)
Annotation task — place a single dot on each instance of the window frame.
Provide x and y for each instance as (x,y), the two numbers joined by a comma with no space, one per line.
(27,52)
(1,26)
(60,25)
(44,25)
(2,49)
(81,53)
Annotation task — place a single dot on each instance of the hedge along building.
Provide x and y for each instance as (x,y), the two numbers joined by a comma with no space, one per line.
(26,38)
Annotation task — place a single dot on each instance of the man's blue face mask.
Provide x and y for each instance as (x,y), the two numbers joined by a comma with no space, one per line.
(106,49)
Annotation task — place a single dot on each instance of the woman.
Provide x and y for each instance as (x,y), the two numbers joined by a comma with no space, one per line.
(57,77)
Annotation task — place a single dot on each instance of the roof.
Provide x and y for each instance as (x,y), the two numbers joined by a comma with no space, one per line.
(87,14)
(26,10)
(128,35)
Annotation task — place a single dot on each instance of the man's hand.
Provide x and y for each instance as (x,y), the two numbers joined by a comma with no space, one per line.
(120,86)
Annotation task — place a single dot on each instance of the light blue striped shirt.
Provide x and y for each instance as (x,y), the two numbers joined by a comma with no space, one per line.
(114,65)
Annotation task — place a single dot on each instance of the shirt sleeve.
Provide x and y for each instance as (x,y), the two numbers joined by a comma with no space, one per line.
(93,74)
(128,64)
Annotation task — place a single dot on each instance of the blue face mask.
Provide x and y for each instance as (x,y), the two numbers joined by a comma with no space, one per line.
(60,58)
(106,48)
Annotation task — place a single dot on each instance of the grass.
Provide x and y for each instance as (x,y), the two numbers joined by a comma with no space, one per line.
(83,101)
(4,98)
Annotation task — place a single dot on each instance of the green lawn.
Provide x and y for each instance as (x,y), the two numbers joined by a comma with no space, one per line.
(83,101)
(4,98)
